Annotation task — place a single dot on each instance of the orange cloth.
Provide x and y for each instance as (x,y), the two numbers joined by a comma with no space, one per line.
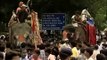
(21,38)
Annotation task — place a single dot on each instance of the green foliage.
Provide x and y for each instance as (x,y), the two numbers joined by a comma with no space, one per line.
(98,10)
(100,18)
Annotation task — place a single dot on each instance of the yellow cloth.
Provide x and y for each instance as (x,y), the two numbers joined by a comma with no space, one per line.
(74,52)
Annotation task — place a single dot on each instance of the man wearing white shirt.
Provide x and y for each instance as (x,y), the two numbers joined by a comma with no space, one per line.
(88,53)
(51,57)
(95,52)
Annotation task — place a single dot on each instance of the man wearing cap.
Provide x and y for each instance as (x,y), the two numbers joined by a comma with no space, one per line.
(65,53)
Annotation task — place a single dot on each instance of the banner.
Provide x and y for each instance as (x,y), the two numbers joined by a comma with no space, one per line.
(53,21)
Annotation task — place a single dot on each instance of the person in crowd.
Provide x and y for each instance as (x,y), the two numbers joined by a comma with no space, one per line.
(104,52)
(101,45)
(98,44)
(1,56)
(47,52)
(24,54)
(81,55)
(65,44)
(58,45)
(42,51)
(104,46)
(12,56)
(65,35)
(100,57)
(55,52)
(88,53)
(74,50)
(52,54)
(2,49)
(68,33)
(79,47)
(65,54)
(36,55)
(95,52)
(29,54)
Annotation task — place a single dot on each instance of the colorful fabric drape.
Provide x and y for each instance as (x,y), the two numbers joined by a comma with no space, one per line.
(91,32)
(33,23)
(35,29)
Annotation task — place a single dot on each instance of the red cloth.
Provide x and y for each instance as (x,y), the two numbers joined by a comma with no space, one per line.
(33,23)
(33,26)
(91,34)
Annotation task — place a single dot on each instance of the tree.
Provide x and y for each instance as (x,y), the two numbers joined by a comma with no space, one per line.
(98,10)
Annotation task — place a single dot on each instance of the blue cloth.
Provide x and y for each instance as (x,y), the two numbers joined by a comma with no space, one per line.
(90,21)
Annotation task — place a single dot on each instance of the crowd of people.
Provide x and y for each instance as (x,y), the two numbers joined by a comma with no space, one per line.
(54,50)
